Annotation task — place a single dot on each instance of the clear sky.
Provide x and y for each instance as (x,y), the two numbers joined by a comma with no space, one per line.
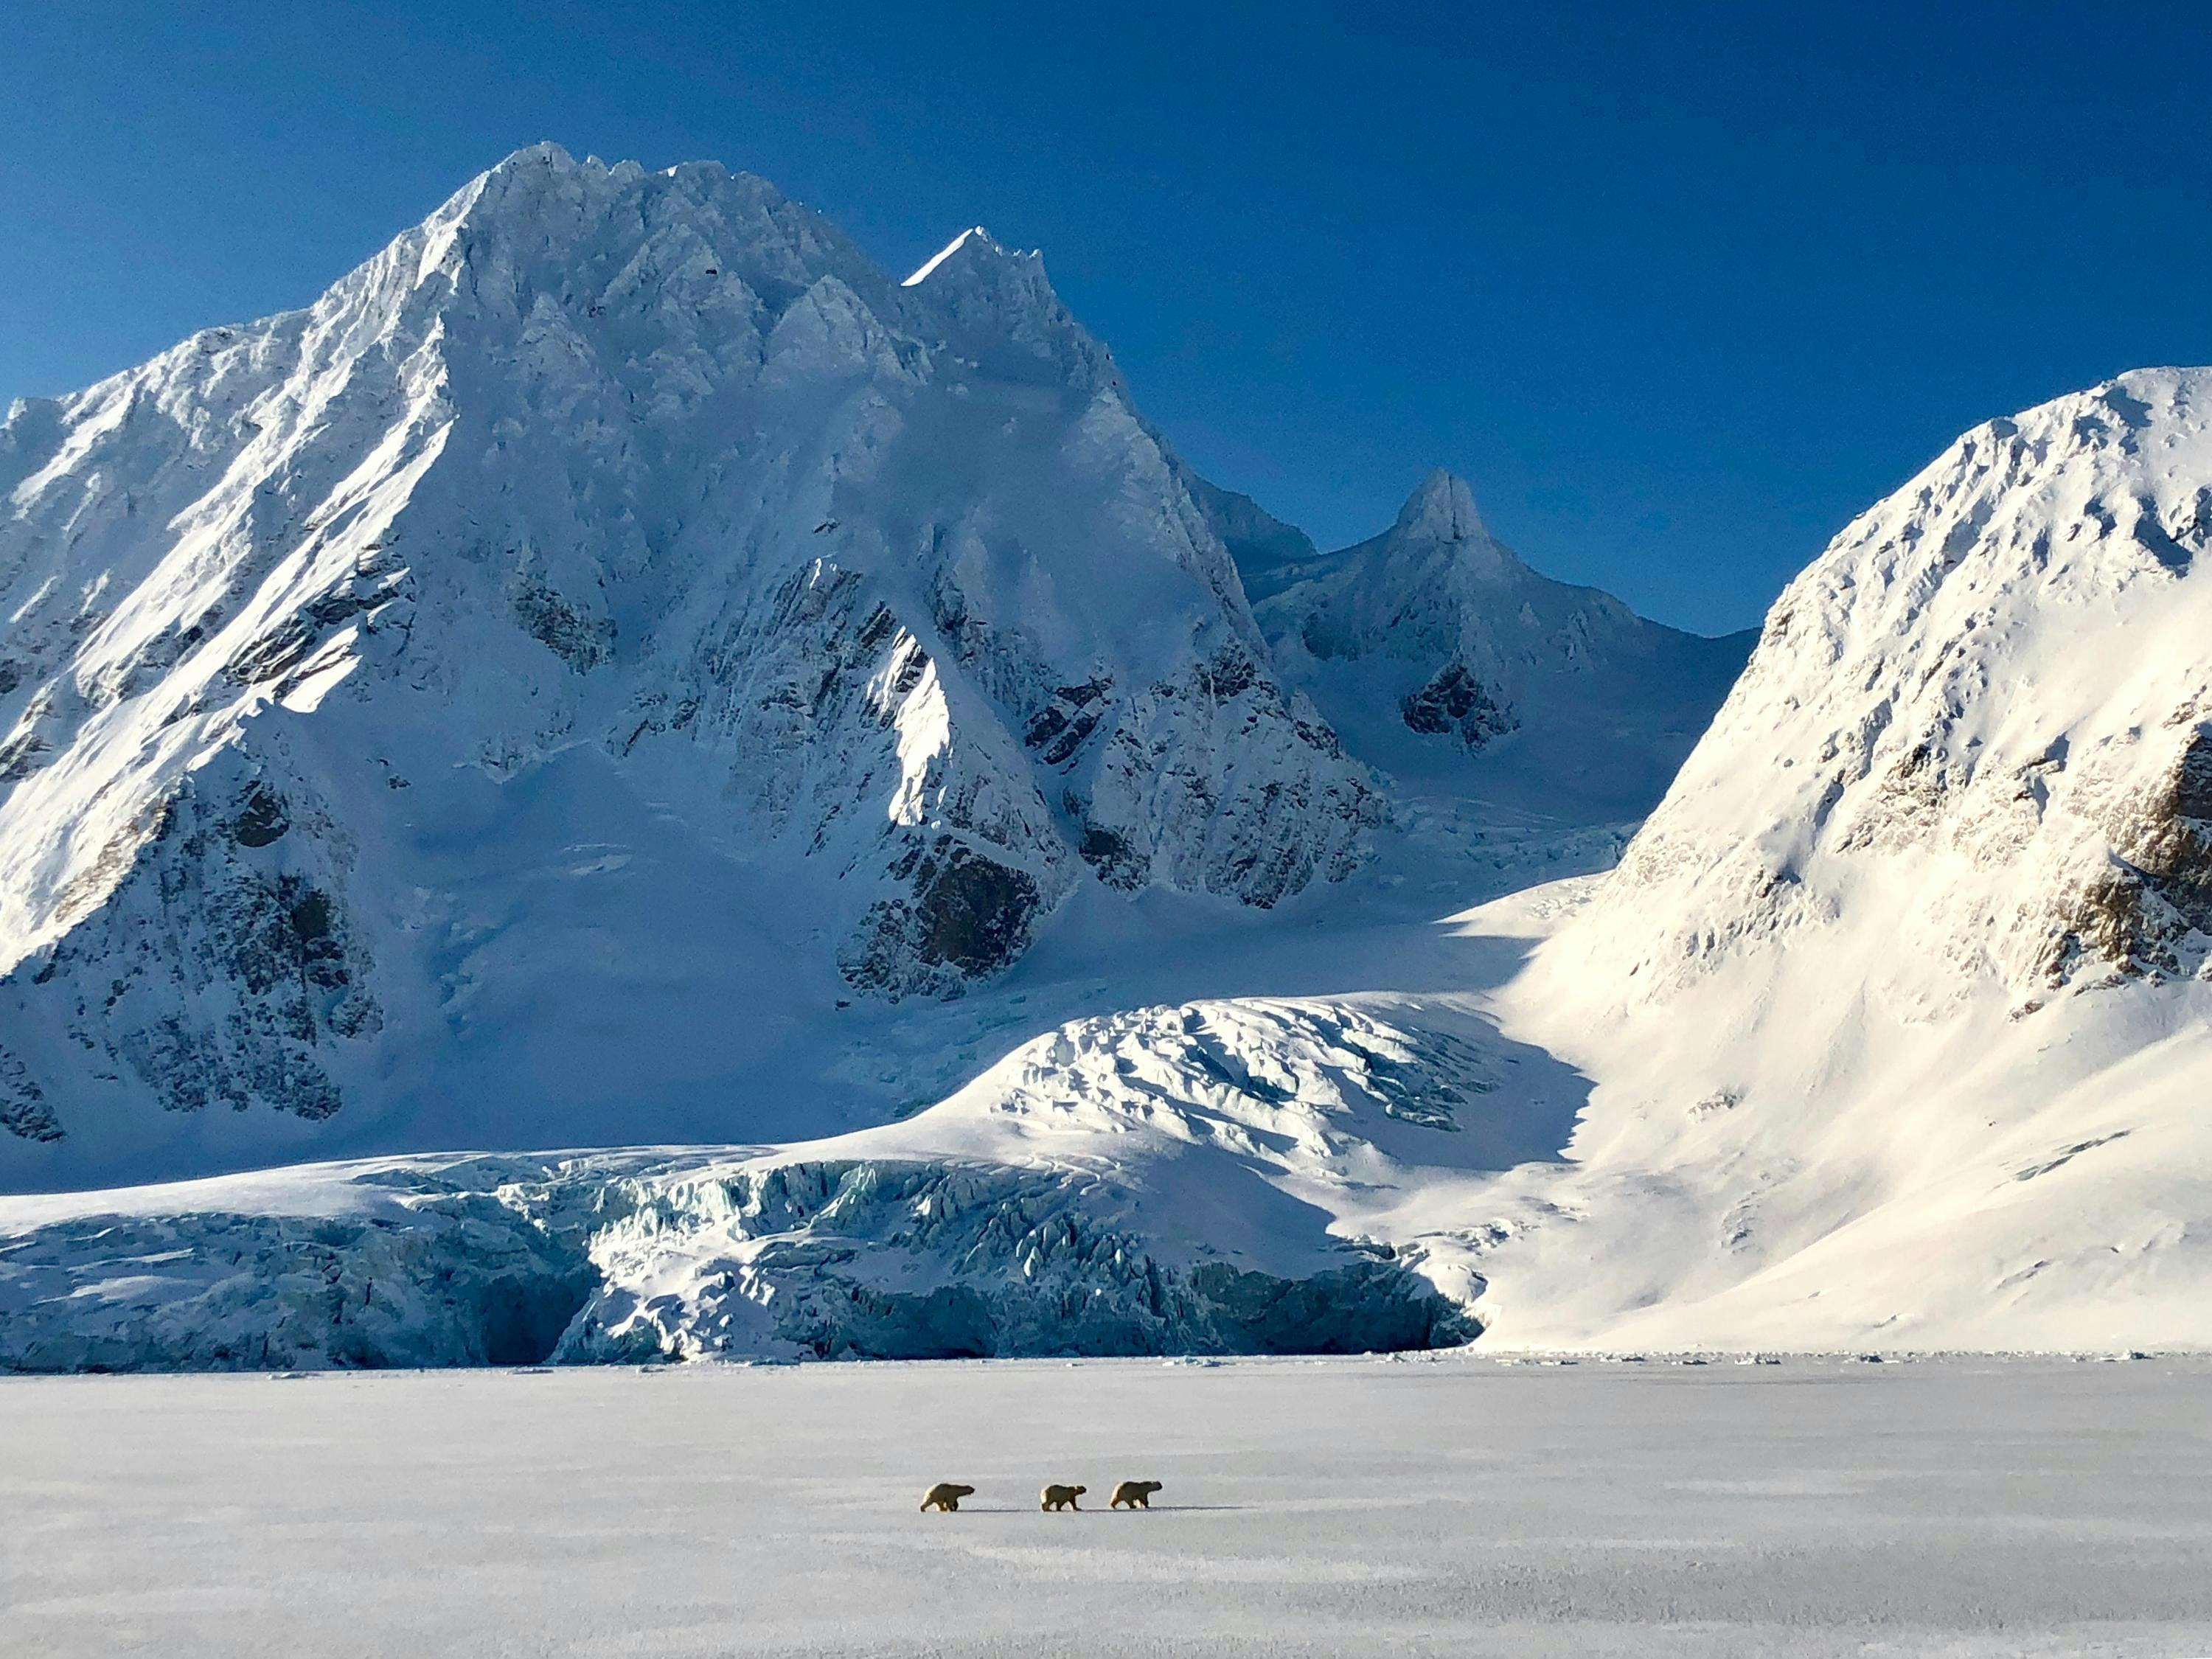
(1680,288)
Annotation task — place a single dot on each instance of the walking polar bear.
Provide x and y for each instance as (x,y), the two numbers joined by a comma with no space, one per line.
(944,1497)
(1063,1497)
(1136,1494)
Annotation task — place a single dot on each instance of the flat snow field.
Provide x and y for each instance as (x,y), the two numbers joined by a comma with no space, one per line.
(1356,1506)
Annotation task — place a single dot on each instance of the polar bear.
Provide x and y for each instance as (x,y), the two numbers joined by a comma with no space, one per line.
(944,1497)
(1136,1494)
(1063,1497)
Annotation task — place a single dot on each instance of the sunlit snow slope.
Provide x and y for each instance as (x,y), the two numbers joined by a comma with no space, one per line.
(1898,1007)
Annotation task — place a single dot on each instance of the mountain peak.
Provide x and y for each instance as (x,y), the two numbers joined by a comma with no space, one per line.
(542,373)
(991,296)
(973,233)
(545,170)
(1441,509)
(544,153)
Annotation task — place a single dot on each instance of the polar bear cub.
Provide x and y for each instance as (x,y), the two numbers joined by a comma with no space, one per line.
(1136,1494)
(1063,1497)
(944,1497)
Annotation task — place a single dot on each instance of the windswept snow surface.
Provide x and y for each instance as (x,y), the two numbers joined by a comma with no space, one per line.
(1971,1510)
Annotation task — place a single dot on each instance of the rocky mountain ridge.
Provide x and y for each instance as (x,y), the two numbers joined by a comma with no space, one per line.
(1995,677)
(632,484)
(1441,656)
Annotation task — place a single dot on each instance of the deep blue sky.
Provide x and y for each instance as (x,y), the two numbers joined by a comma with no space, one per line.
(1680,289)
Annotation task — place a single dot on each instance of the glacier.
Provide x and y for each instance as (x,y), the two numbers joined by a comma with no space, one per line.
(1232,1176)
(628,786)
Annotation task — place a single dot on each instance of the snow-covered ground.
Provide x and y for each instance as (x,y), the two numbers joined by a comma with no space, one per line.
(1446,1505)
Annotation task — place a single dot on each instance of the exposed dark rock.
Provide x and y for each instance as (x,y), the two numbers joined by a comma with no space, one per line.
(1229,672)
(579,639)
(19,757)
(1062,727)
(209,971)
(20,753)
(1455,702)
(2139,914)
(262,819)
(24,1110)
(273,654)
(1119,864)
(968,914)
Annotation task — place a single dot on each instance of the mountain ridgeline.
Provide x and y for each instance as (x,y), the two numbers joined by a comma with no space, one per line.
(620,673)
(609,627)
(1900,1004)
(602,482)
(1439,654)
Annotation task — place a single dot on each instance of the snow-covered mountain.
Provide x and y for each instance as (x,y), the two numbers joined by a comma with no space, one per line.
(1898,1007)
(1439,655)
(605,672)
(608,628)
